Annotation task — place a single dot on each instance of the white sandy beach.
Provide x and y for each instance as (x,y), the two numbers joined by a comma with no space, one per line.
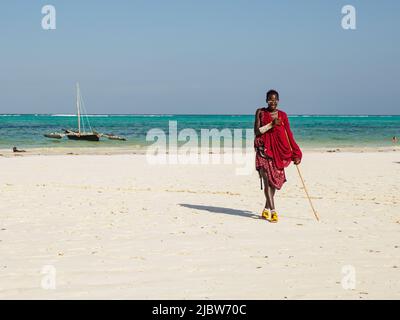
(113,226)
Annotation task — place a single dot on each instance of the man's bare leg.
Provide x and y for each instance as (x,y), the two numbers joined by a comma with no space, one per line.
(269,191)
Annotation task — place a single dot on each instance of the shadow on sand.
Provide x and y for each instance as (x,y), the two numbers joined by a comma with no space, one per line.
(233,212)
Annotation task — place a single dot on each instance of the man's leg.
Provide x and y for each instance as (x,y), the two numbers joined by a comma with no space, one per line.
(268,191)
(272,197)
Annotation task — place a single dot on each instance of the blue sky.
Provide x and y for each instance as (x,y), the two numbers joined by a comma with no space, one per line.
(197,57)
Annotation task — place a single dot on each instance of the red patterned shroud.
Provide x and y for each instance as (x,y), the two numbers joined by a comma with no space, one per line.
(276,177)
(276,148)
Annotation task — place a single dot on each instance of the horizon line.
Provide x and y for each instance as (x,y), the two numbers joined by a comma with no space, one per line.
(195,114)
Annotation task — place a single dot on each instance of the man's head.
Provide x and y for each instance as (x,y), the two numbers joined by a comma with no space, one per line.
(272,98)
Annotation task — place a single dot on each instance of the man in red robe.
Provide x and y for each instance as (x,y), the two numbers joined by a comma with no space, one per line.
(275,149)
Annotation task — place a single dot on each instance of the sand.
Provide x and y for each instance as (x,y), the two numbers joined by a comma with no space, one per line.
(114,226)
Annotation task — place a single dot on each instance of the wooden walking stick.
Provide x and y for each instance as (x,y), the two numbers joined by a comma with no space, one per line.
(301,178)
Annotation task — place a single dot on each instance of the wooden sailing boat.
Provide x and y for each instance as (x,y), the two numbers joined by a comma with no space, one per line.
(90,135)
(85,131)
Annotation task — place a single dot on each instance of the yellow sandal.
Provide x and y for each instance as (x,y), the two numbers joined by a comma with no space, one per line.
(274,217)
(266,215)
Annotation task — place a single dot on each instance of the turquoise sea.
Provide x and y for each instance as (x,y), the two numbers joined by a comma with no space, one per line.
(26,130)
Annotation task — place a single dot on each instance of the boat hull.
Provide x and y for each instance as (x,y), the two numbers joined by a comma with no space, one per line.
(85,137)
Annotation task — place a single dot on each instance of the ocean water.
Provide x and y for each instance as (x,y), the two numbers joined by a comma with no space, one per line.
(26,130)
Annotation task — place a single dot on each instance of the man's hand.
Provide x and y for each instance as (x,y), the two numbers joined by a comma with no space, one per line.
(276,122)
(296,161)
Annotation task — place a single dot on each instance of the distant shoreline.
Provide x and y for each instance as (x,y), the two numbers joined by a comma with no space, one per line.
(142,151)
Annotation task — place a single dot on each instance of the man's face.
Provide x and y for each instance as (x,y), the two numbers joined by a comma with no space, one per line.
(272,102)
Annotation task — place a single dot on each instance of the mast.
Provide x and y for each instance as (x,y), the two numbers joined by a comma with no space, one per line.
(78,107)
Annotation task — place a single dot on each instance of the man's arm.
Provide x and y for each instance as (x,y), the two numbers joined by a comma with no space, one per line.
(257,123)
